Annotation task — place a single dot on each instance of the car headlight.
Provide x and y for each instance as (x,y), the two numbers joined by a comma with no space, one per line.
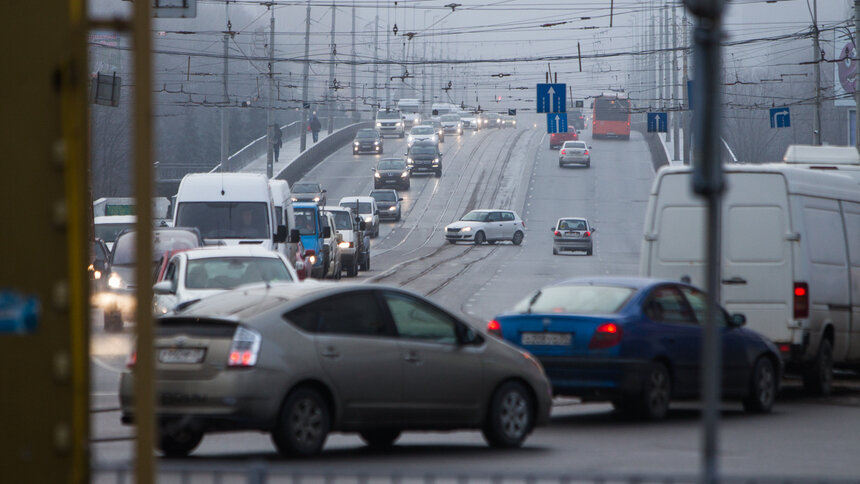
(368,219)
(356,143)
(378,125)
(404,174)
(316,199)
(376,143)
(377,175)
(345,245)
(409,139)
(409,160)
(294,199)
(436,161)
(312,259)
(397,124)
(115,281)
(466,229)
(392,208)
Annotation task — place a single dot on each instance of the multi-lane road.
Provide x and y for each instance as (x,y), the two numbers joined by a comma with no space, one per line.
(514,169)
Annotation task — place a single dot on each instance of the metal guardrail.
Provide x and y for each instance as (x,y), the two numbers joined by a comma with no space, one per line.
(312,156)
(275,473)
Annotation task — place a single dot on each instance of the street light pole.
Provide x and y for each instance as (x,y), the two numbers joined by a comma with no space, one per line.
(816,115)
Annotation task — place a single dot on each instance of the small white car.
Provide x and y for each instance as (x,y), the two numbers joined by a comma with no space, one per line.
(422,133)
(574,152)
(366,209)
(197,273)
(491,226)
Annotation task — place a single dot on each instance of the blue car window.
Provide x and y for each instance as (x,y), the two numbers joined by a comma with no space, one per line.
(666,304)
(696,298)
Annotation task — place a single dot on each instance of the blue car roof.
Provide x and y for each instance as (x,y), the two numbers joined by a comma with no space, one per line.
(305,205)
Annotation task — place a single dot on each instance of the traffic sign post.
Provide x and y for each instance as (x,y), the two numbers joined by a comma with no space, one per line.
(551,98)
(658,122)
(780,118)
(556,123)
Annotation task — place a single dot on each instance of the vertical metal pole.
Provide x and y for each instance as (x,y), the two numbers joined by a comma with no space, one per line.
(144,369)
(708,183)
(355,115)
(330,91)
(270,130)
(388,59)
(225,115)
(376,60)
(816,115)
(856,78)
(667,65)
(303,141)
(676,113)
(688,132)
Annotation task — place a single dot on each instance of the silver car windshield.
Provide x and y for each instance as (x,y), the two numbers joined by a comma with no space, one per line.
(576,299)
(231,272)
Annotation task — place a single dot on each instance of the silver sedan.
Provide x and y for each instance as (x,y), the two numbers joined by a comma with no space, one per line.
(572,234)
(301,360)
(574,152)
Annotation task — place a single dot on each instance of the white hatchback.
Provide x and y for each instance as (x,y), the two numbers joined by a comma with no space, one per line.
(491,226)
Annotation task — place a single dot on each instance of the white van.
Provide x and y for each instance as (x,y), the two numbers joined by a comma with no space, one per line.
(410,110)
(229,209)
(790,256)
(285,216)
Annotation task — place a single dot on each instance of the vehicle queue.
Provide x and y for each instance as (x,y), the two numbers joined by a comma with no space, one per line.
(596,339)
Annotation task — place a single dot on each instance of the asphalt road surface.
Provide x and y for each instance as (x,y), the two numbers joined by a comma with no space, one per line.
(514,169)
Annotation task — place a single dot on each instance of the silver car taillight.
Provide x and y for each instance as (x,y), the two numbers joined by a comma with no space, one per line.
(244,348)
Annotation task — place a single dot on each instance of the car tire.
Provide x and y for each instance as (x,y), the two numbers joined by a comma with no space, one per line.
(560,164)
(352,269)
(588,164)
(381,151)
(588,251)
(480,238)
(380,438)
(303,424)
(656,393)
(818,376)
(554,251)
(113,321)
(518,238)
(175,440)
(763,387)
(452,242)
(367,262)
(438,173)
(511,416)
(399,217)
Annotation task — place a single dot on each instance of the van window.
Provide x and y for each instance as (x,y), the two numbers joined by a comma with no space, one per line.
(755,234)
(306,220)
(823,230)
(681,234)
(852,229)
(225,220)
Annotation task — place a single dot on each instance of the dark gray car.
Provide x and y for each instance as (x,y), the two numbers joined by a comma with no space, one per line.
(302,360)
(425,156)
(392,173)
(309,192)
(388,202)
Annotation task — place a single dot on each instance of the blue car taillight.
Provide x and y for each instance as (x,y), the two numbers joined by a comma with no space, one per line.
(606,335)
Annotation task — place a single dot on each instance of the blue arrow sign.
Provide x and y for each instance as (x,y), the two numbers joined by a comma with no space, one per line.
(551,98)
(780,118)
(658,122)
(556,123)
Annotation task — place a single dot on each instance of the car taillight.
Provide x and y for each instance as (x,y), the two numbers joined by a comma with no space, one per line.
(132,359)
(606,336)
(557,233)
(586,152)
(801,300)
(587,233)
(562,152)
(245,348)
(494,328)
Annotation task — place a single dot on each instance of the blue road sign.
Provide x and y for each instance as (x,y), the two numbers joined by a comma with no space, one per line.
(551,98)
(658,122)
(780,118)
(556,123)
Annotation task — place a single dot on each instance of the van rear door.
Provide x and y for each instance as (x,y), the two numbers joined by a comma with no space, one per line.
(851,215)
(757,276)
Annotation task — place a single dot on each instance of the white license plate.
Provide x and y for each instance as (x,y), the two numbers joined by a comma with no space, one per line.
(181,355)
(547,339)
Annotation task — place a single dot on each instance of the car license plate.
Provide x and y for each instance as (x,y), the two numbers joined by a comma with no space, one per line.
(181,355)
(390,181)
(547,339)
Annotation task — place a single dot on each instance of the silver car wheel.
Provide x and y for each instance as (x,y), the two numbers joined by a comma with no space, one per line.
(514,415)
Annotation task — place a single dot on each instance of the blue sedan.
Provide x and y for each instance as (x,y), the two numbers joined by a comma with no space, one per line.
(636,342)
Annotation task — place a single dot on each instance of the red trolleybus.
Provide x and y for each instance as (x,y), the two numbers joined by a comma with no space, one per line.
(611,116)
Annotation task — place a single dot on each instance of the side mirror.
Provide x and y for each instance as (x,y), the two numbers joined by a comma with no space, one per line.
(376,212)
(467,335)
(589,147)
(400,199)
(362,225)
(324,190)
(737,320)
(326,233)
(163,288)
(295,236)
(373,169)
(552,229)
(440,154)
(593,229)
(281,234)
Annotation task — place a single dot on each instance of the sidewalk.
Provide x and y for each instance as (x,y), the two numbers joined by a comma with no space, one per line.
(289,152)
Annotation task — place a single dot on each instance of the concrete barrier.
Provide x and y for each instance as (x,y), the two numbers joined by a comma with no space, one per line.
(316,153)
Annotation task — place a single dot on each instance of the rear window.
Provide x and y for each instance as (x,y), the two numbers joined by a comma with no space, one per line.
(230,272)
(576,299)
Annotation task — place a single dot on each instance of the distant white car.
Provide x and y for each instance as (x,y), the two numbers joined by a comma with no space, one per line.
(422,133)
(197,273)
(491,226)
(366,209)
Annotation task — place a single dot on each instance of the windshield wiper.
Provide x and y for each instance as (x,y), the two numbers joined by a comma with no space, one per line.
(532,301)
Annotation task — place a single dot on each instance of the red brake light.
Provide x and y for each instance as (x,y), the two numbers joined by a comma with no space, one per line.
(562,152)
(132,359)
(494,328)
(801,300)
(606,335)
(587,233)
(556,233)
(586,152)
(785,348)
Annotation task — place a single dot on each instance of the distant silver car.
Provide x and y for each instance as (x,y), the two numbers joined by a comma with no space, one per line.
(302,360)
(491,226)
(574,152)
(571,234)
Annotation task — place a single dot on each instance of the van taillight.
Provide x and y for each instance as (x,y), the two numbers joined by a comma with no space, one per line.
(801,300)
(494,328)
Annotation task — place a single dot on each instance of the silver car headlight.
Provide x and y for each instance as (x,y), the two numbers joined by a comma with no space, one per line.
(378,125)
(397,124)
(466,229)
(392,208)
